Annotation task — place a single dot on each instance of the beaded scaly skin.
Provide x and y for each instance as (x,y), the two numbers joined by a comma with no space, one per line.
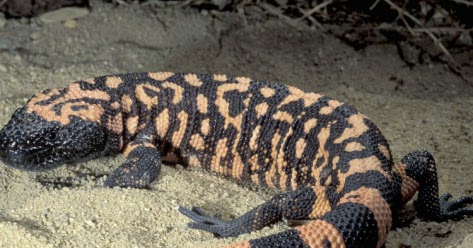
(331,163)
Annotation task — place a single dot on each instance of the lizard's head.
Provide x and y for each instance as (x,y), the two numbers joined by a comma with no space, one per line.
(42,136)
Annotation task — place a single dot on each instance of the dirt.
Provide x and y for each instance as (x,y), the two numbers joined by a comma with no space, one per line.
(423,107)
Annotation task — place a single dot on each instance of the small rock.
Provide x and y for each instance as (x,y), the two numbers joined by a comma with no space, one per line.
(35,36)
(63,14)
(70,24)
(64,218)
(90,223)
(464,39)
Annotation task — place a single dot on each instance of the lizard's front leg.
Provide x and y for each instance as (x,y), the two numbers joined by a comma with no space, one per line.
(142,165)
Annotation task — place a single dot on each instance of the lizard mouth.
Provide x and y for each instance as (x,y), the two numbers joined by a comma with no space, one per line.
(38,159)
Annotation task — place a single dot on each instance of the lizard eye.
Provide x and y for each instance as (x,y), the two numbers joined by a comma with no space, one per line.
(51,136)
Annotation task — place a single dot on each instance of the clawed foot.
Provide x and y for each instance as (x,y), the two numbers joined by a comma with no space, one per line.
(455,209)
(138,171)
(130,175)
(205,222)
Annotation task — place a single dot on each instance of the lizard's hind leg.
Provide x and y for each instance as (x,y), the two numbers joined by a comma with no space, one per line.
(418,172)
(361,218)
(300,204)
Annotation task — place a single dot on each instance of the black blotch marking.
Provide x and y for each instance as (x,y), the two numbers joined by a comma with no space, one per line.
(370,179)
(235,100)
(356,223)
(52,98)
(79,107)
(149,92)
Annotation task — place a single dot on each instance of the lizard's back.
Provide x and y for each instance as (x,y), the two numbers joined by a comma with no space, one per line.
(271,134)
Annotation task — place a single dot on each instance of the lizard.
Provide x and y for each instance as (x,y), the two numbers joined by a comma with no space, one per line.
(331,164)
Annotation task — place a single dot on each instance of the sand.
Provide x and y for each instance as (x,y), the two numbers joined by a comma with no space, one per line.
(421,107)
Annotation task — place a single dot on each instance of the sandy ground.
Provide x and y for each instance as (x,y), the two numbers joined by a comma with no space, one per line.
(424,107)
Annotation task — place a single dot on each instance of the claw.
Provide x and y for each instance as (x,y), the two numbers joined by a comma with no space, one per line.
(445,197)
(197,215)
(205,222)
(454,209)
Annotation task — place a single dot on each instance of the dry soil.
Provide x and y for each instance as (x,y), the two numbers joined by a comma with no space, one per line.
(423,107)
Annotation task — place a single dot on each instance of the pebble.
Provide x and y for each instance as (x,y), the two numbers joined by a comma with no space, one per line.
(70,24)
(35,35)
(90,223)
(63,14)
(464,39)
(64,218)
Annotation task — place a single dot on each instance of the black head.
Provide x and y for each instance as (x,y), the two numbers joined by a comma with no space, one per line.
(30,142)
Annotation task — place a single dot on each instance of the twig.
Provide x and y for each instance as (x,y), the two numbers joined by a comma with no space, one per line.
(440,44)
(439,30)
(403,13)
(277,12)
(465,2)
(374,4)
(403,31)
(315,9)
(312,20)
(407,26)
(443,30)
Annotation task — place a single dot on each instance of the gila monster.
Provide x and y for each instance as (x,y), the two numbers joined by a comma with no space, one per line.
(332,165)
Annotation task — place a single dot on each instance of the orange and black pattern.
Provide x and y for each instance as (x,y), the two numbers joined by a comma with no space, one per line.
(331,162)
